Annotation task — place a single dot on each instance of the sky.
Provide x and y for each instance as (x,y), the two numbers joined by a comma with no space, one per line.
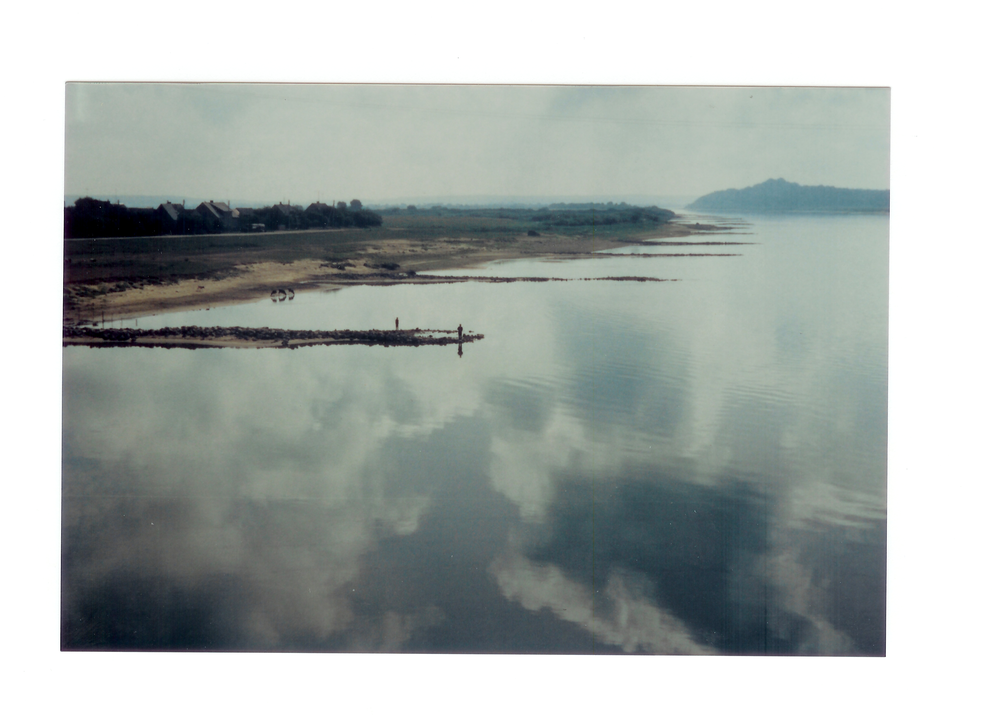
(411,142)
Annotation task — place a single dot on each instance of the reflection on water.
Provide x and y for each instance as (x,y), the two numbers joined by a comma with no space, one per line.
(690,467)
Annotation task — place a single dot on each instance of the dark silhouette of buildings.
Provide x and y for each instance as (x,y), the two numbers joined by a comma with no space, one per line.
(90,218)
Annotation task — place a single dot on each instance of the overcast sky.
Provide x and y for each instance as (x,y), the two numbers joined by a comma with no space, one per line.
(383,143)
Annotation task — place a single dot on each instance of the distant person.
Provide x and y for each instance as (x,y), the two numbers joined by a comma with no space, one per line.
(460,333)
(397,324)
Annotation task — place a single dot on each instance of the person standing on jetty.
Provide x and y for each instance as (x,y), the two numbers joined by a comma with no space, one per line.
(397,324)
(460,333)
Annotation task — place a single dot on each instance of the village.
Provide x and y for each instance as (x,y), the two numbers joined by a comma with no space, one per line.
(91,218)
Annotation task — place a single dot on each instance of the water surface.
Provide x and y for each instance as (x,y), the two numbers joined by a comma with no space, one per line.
(693,466)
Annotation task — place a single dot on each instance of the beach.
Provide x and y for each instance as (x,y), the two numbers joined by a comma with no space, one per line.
(123,279)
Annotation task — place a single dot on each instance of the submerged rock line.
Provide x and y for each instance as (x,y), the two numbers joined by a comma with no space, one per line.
(191,337)
(384,278)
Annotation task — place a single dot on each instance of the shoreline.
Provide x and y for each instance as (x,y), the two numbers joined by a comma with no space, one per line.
(386,262)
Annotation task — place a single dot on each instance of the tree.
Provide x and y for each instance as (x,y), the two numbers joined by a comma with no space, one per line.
(341,205)
(355,204)
(366,218)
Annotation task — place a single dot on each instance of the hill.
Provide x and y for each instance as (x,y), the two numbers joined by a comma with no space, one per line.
(783,196)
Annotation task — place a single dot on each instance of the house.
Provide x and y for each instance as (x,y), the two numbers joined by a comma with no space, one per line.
(292,215)
(288,209)
(318,214)
(219,215)
(168,214)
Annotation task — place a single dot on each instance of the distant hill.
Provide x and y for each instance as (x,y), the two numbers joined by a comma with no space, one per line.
(783,196)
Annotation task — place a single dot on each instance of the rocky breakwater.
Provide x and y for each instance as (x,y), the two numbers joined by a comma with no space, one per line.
(258,337)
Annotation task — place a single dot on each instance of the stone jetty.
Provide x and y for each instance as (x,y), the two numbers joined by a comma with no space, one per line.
(191,337)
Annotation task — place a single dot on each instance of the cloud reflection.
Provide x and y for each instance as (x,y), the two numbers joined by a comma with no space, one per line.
(628,621)
(638,469)
(185,484)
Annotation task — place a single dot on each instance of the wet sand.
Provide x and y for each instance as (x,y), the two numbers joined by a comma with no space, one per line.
(389,261)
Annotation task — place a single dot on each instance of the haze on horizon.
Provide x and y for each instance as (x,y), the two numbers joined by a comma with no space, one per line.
(395,143)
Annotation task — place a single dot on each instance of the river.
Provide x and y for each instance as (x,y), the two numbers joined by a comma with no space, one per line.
(687,467)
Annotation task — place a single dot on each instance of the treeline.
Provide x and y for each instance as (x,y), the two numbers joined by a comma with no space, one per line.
(317,215)
(606,215)
(560,214)
(587,205)
(90,218)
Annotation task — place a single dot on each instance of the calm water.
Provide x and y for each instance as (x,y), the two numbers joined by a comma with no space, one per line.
(683,467)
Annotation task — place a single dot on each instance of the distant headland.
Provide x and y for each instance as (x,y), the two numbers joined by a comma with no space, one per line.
(783,196)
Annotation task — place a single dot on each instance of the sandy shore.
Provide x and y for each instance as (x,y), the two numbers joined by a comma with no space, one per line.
(252,282)
(412,261)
